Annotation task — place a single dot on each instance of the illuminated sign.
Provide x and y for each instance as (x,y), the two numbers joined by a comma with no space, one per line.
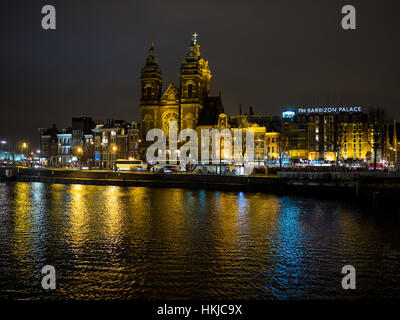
(97,156)
(288,114)
(329,110)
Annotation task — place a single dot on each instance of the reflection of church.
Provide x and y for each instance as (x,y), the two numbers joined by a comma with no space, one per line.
(190,104)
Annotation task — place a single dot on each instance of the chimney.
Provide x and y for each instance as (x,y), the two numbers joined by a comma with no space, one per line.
(240,109)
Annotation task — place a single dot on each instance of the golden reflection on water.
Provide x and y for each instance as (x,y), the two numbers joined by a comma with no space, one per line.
(168,217)
(118,242)
(21,236)
(137,198)
(113,212)
(79,217)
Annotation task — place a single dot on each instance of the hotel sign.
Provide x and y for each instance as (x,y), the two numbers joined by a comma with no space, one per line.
(328,110)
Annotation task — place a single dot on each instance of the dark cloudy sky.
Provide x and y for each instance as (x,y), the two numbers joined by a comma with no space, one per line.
(269,54)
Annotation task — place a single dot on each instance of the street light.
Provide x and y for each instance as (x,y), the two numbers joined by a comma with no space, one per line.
(24,146)
(114,149)
(79,152)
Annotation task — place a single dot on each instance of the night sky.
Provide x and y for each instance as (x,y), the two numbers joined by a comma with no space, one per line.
(269,54)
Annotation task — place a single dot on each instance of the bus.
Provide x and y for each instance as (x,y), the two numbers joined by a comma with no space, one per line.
(129,165)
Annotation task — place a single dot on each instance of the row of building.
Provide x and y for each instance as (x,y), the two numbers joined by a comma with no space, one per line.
(299,135)
(88,143)
(293,137)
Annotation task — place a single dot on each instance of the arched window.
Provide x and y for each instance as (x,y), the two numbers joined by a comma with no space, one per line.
(148,92)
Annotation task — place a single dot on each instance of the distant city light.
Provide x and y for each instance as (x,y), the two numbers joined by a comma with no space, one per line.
(288,114)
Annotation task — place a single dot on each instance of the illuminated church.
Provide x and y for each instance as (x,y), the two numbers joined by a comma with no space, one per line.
(189,104)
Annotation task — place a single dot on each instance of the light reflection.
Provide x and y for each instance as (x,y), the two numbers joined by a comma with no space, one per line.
(21,237)
(122,243)
(79,218)
(113,218)
(287,267)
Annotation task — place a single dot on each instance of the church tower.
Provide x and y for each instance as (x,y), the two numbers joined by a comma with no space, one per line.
(151,80)
(189,104)
(151,86)
(195,79)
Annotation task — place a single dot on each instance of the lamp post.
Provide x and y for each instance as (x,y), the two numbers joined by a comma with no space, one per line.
(114,151)
(24,146)
(80,152)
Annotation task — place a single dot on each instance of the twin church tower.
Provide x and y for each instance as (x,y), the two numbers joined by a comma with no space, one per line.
(190,104)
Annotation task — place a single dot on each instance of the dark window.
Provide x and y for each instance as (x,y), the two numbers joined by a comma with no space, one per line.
(190,90)
(148,92)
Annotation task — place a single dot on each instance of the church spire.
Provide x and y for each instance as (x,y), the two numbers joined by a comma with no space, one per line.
(195,73)
(151,78)
(152,58)
(194,48)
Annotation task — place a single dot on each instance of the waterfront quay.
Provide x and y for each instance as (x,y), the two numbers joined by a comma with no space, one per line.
(374,189)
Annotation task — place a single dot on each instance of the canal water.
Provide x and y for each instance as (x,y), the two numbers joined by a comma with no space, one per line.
(109,242)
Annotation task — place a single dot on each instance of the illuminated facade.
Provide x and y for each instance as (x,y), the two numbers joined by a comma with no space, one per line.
(271,146)
(64,154)
(110,143)
(266,136)
(189,105)
(340,137)
(134,141)
(324,134)
(393,144)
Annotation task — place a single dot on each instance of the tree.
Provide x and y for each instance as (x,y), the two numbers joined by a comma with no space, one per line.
(283,143)
(339,140)
(376,132)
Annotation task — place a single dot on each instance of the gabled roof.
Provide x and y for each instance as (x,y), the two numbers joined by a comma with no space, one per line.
(171,95)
